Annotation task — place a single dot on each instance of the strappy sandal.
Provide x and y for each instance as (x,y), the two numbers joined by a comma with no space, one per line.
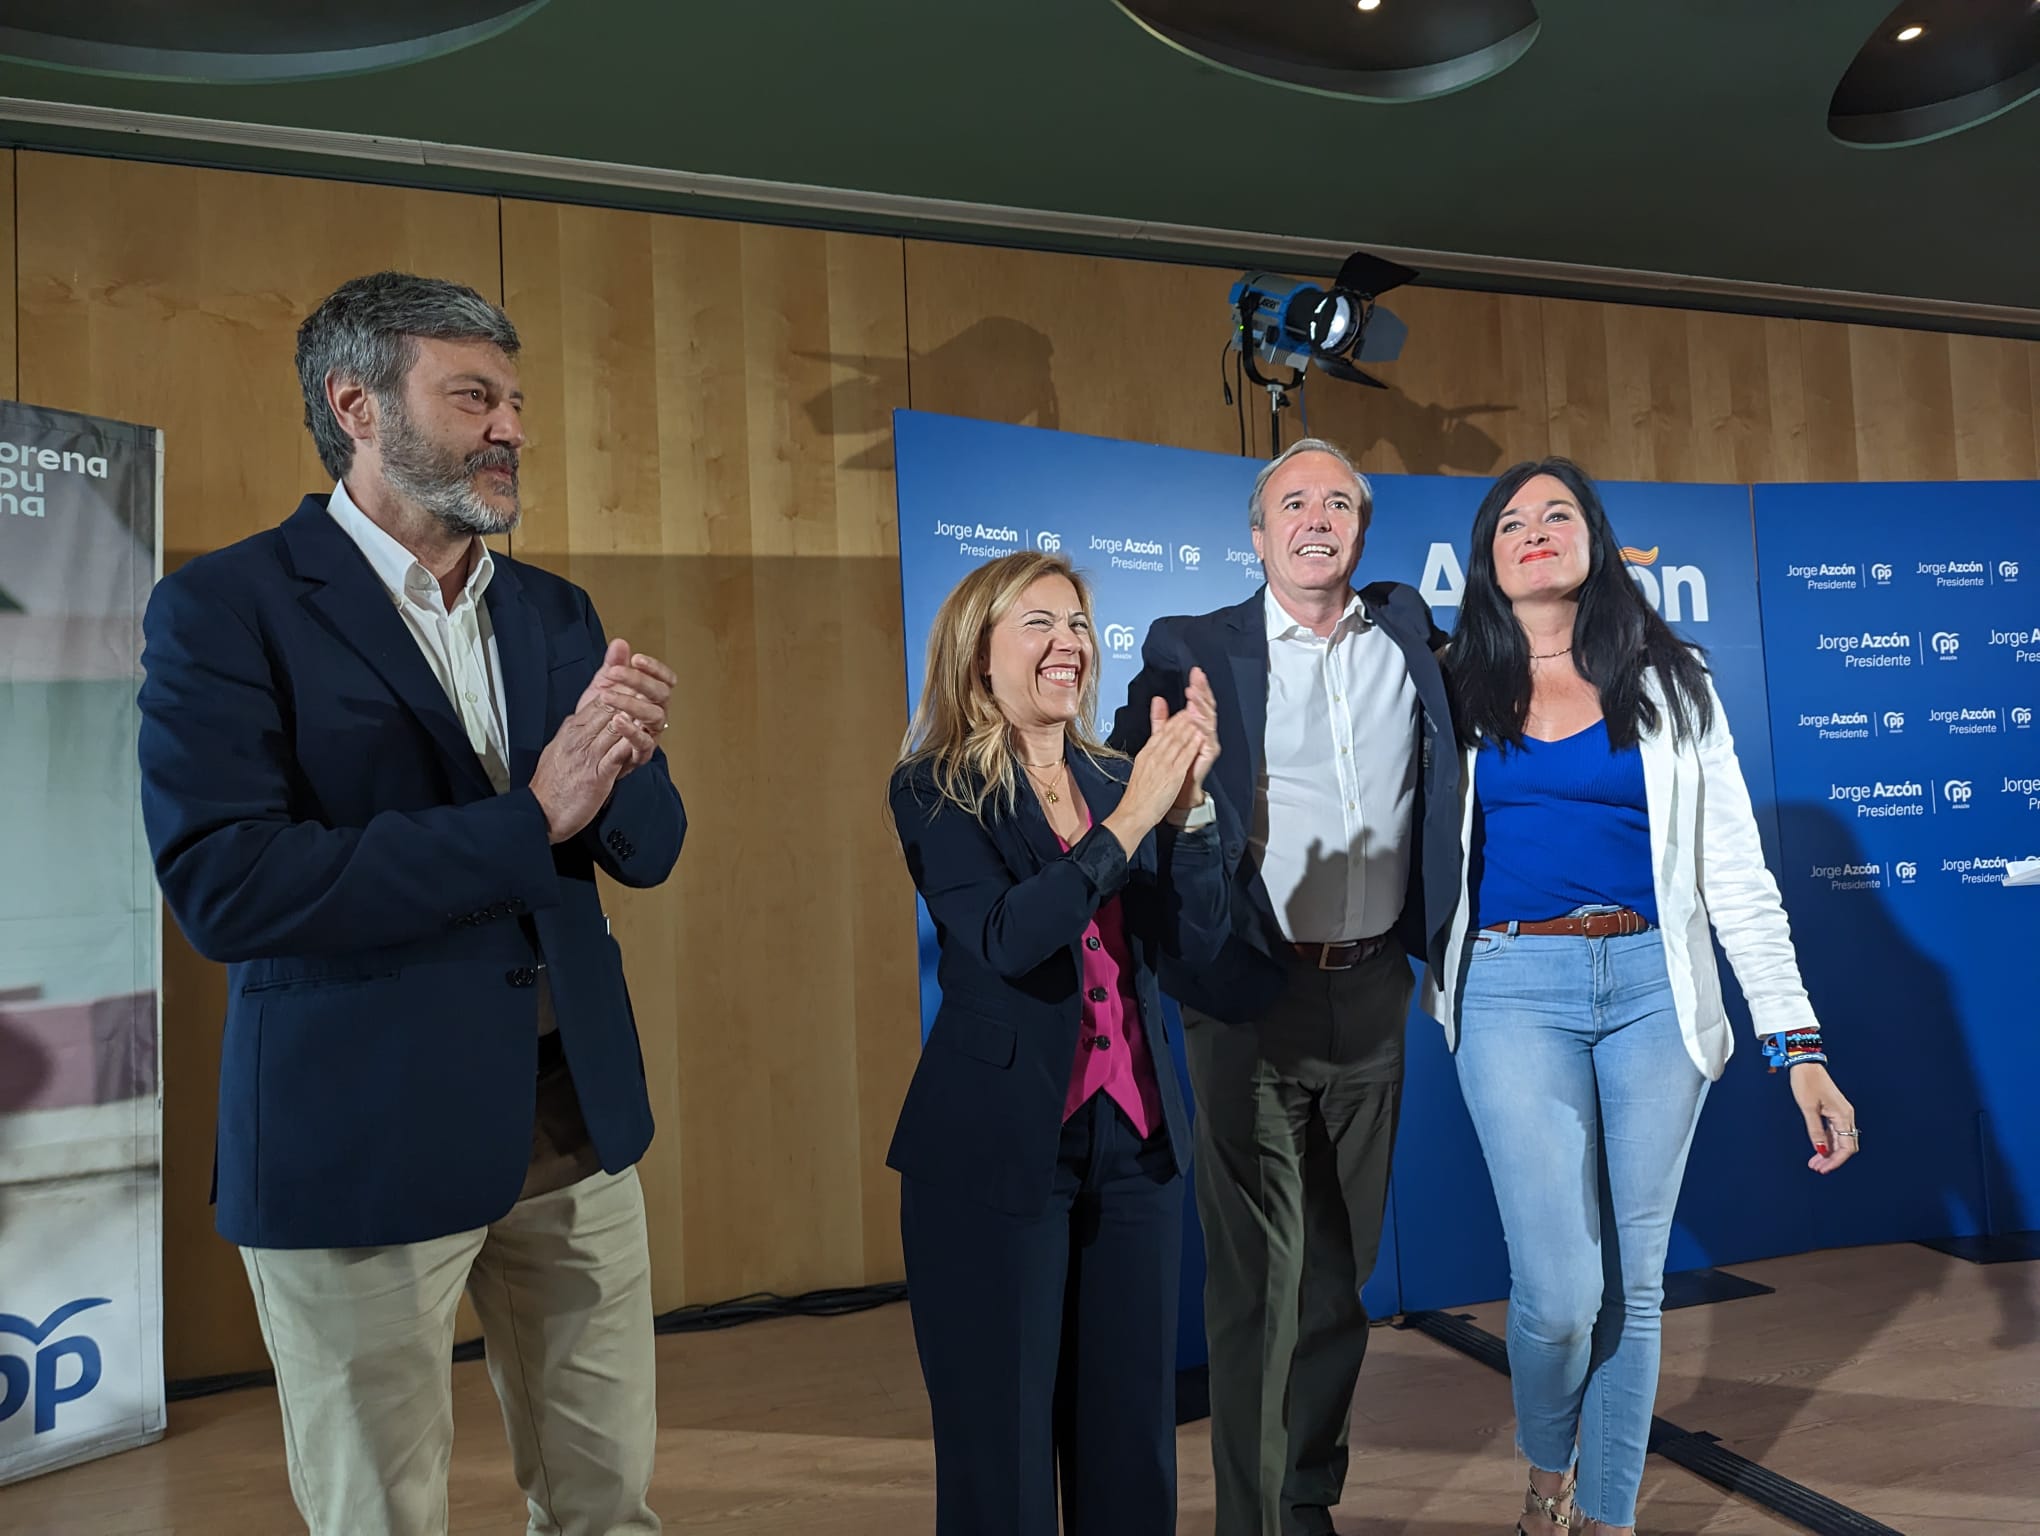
(1535,1503)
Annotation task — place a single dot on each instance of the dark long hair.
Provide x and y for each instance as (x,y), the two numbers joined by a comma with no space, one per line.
(1618,639)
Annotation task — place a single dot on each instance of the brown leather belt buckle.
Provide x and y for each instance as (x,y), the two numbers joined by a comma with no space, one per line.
(1592,925)
(1612,925)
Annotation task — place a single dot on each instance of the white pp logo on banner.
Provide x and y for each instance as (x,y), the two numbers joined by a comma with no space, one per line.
(1189,556)
(1958,793)
(1120,639)
(1947,643)
(1048,543)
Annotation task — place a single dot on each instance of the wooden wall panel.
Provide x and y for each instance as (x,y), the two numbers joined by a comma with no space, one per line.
(7,278)
(2033,376)
(1748,399)
(1618,390)
(709,408)
(1991,380)
(172,296)
(1828,381)
(1890,404)
(1904,404)
(1643,393)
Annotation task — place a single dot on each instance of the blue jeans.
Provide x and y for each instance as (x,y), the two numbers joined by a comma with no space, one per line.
(1585,1101)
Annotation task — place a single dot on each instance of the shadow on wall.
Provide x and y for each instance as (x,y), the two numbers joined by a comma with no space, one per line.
(1015,360)
(999,369)
(1373,425)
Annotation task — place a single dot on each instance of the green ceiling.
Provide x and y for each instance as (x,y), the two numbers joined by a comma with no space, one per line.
(1682,137)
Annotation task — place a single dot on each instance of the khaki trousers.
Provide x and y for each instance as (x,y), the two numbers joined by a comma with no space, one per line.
(362,1338)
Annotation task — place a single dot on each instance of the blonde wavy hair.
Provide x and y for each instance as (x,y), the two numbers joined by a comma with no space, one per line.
(958,728)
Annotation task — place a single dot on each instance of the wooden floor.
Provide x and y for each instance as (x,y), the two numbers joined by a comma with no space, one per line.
(1900,1382)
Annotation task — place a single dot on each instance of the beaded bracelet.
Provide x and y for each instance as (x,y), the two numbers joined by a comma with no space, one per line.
(1793,1047)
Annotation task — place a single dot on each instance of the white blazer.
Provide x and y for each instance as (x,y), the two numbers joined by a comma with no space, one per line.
(1707,864)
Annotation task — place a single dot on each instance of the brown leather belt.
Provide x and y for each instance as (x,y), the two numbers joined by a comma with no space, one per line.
(1342,957)
(1592,925)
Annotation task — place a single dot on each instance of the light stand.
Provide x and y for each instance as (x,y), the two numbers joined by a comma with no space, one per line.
(1278,398)
(1278,389)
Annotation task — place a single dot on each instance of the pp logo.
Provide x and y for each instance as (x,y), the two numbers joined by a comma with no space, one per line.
(1958,792)
(1119,639)
(2022,717)
(1946,643)
(2008,570)
(1906,870)
(1881,573)
(1048,543)
(1189,555)
(19,1384)
(1894,719)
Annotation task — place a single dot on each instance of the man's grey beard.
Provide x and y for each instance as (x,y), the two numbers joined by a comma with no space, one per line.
(443,482)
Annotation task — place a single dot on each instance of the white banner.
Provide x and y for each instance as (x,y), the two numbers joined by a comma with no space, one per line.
(81,1273)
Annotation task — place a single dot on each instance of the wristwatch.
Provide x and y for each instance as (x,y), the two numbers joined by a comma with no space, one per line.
(1202,814)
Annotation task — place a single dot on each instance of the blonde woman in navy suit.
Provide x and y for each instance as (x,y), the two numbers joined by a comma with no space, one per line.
(1043,1140)
(1607,830)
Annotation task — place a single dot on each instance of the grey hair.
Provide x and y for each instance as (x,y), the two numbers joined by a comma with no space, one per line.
(1257,515)
(368,330)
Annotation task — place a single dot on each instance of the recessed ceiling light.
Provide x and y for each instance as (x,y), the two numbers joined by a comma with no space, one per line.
(1905,35)
(1370,5)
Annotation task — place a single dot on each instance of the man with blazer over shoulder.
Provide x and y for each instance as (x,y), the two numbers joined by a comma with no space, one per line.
(381,765)
(1336,790)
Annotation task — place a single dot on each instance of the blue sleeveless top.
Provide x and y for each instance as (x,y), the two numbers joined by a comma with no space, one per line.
(1559,825)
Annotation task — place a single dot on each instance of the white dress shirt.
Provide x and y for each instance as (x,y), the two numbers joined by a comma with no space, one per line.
(458,642)
(1332,809)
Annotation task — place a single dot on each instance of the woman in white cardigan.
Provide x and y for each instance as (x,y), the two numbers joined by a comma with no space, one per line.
(1606,825)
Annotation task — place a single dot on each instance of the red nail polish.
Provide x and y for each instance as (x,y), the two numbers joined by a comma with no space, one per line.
(1820,1147)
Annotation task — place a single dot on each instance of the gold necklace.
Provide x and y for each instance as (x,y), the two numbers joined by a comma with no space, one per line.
(1047,793)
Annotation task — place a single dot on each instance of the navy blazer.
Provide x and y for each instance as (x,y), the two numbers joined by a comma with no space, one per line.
(1231,645)
(320,823)
(983,1115)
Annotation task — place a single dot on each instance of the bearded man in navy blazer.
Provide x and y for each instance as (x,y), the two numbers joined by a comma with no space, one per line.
(381,765)
(1337,791)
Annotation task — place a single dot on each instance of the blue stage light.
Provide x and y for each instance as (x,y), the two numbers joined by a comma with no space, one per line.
(1283,323)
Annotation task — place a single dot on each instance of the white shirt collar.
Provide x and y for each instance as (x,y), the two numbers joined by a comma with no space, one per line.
(1281,625)
(400,571)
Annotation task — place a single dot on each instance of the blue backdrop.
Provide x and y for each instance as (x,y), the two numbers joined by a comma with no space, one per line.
(1163,531)
(1902,623)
